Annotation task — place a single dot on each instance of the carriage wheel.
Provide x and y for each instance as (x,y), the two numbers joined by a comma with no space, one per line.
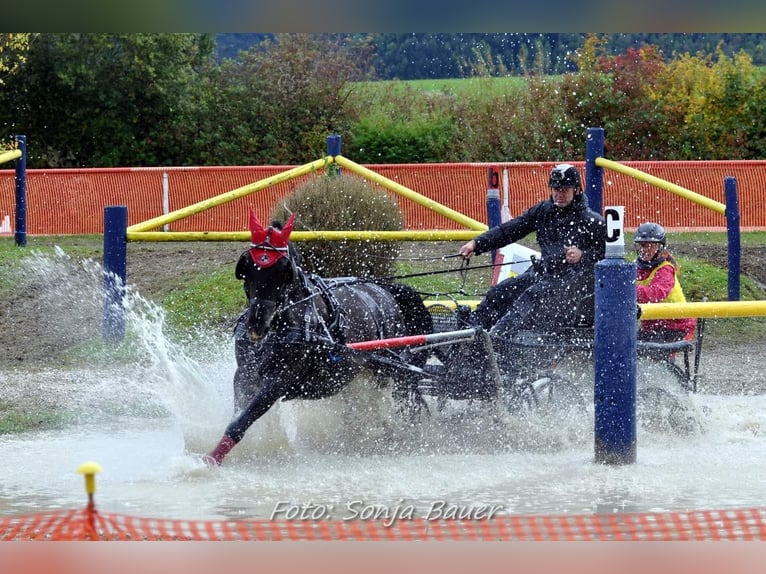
(660,410)
(409,403)
(548,393)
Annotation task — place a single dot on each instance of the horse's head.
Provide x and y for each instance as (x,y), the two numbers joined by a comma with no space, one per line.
(268,273)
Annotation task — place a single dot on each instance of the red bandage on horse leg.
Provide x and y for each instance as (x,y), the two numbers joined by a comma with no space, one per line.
(215,457)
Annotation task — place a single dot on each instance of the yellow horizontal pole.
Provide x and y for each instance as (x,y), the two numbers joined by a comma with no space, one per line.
(244,236)
(455,216)
(230,195)
(708,309)
(157,236)
(662,184)
(10,155)
(450,304)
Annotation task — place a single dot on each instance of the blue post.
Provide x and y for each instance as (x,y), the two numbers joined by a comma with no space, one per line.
(615,349)
(732,232)
(115,271)
(333,149)
(494,215)
(20,236)
(594,175)
(333,145)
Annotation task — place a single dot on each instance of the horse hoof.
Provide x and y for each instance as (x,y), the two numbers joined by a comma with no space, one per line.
(210,461)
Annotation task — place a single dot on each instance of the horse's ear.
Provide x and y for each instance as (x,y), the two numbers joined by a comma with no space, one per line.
(288,228)
(279,238)
(255,223)
(257,232)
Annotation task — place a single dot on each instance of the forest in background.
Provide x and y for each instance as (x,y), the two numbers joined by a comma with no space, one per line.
(415,56)
(143,100)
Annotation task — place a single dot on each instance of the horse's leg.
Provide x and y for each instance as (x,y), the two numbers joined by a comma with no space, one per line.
(256,408)
(249,356)
(246,383)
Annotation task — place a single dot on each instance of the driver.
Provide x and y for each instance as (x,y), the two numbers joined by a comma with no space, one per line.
(550,293)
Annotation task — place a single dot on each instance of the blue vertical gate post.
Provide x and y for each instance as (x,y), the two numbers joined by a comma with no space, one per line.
(115,271)
(494,214)
(333,149)
(20,236)
(615,349)
(732,232)
(594,175)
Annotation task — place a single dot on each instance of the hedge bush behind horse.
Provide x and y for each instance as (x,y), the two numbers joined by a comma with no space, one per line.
(291,341)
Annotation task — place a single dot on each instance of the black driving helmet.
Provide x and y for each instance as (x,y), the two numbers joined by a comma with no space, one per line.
(650,232)
(565,175)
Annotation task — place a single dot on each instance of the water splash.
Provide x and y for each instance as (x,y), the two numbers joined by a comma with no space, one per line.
(143,412)
(190,382)
(146,374)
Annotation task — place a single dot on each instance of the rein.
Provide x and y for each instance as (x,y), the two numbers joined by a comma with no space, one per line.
(462,269)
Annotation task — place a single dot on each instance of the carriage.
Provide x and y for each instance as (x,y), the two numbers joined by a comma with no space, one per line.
(306,337)
(535,371)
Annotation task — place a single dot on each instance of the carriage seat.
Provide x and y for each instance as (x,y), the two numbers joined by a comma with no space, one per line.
(670,346)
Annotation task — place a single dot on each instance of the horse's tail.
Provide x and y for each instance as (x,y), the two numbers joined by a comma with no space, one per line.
(416,317)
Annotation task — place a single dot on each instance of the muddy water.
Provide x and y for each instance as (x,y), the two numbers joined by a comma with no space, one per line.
(147,425)
(148,422)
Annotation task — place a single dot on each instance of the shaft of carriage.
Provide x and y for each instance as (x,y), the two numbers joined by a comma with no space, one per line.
(428,340)
(478,339)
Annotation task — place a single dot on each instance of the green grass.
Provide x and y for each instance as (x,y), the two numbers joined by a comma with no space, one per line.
(460,87)
(14,420)
(716,238)
(213,299)
(450,278)
(79,246)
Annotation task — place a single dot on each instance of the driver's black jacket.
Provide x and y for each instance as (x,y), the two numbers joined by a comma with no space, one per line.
(575,224)
(552,293)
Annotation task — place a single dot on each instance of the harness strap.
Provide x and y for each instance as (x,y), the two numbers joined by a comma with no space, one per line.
(337,325)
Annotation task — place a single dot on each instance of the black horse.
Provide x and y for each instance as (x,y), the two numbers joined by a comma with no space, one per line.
(291,340)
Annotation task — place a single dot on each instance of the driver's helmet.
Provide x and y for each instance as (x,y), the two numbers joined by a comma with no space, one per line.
(564,175)
(650,232)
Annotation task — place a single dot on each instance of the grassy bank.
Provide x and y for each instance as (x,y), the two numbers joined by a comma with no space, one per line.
(210,296)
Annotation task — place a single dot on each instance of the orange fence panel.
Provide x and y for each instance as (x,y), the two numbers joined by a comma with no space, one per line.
(739,524)
(72,201)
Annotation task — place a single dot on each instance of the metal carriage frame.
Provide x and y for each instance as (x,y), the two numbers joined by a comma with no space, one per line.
(533,371)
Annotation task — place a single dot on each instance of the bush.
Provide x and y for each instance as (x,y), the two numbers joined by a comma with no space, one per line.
(404,125)
(386,141)
(338,203)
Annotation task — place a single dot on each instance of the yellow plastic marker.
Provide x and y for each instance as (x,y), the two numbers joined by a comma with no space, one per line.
(89,469)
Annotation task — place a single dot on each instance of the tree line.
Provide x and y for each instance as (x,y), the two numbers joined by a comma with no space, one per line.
(415,56)
(108,100)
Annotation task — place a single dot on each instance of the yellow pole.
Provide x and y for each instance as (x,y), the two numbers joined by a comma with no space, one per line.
(451,304)
(89,469)
(10,155)
(230,195)
(244,236)
(662,184)
(412,195)
(710,309)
